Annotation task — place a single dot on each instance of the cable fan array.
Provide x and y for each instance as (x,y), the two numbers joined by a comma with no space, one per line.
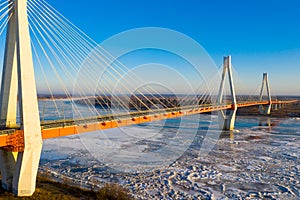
(66,60)
(62,47)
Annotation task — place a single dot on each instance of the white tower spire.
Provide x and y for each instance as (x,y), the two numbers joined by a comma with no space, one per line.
(226,121)
(19,170)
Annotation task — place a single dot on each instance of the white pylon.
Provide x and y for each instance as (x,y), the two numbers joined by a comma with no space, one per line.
(227,120)
(267,109)
(8,100)
(19,170)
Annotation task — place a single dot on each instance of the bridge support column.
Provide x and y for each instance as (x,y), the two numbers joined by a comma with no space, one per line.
(265,110)
(275,106)
(8,101)
(19,170)
(227,117)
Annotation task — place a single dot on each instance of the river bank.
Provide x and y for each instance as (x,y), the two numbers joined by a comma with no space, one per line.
(47,189)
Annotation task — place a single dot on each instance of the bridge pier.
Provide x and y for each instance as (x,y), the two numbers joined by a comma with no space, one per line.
(267,109)
(8,102)
(19,170)
(227,120)
(285,105)
(7,165)
(227,117)
(274,106)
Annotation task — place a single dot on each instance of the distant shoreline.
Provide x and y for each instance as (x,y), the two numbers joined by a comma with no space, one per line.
(63,96)
(292,110)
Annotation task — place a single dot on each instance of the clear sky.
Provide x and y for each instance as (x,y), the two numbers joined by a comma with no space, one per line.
(261,35)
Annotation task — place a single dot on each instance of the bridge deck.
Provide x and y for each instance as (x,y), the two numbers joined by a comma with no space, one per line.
(12,139)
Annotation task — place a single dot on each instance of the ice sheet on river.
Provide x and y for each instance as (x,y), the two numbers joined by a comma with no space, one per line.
(256,161)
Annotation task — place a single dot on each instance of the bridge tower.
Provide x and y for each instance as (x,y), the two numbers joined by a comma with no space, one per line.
(19,170)
(227,117)
(265,110)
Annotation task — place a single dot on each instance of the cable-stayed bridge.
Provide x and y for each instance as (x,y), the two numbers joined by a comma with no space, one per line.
(12,139)
(39,39)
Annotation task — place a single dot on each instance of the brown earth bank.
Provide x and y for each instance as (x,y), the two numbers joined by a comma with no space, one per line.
(48,190)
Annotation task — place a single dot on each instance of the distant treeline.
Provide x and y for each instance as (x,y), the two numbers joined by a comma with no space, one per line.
(144,102)
(147,102)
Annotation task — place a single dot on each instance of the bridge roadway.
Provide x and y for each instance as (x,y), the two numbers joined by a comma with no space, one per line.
(12,139)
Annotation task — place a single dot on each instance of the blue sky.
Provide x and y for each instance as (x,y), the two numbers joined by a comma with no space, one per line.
(260,35)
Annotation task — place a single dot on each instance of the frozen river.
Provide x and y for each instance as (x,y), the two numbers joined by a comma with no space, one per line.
(184,158)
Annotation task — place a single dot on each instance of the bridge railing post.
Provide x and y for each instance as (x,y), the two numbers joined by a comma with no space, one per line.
(227,120)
